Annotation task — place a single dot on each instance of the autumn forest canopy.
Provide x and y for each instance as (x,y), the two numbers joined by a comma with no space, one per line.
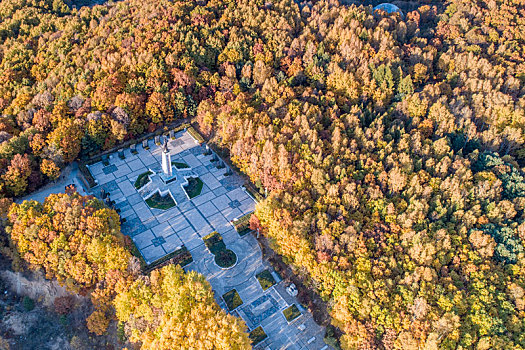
(391,147)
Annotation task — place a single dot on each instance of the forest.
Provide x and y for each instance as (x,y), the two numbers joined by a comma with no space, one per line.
(391,146)
(77,240)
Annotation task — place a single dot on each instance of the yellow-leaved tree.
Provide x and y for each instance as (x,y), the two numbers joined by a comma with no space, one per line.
(172,309)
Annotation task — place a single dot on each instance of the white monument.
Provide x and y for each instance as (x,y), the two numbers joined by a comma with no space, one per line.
(166,159)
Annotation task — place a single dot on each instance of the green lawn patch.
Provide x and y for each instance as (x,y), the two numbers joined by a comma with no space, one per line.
(180,165)
(194,187)
(142,180)
(242,225)
(160,202)
(257,335)
(225,258)
(214,242)
(265,279)
(291,313)
(232,299)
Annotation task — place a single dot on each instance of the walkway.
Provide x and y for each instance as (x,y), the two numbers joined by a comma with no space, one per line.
(68,176)
(222,200)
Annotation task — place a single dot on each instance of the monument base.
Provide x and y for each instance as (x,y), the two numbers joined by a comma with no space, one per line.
(167,178)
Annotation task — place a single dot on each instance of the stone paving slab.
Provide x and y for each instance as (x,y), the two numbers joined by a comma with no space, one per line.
(127,213)
(141,151)
(151,223)
(210,181)
(221,202)
(163,230)
(122,204)
(135,174)
(103,178)
(166,215)
(220,191)
(200,170)
(127,188)
(123,170)
(143,211)
(219,223)
(132,226)
(237,194)
(198,222)
(148,160)
(247,206)
(136,164)
(230,236)
(185,206)
(96,169)
(173,243)
(230,183)
(110,169)
(152,253)
(231,214)
(179,222)
(117,196)
(208,208)
(217,172)
(190,238)
(143,240)
(192,161)
(200,252)
(134,199)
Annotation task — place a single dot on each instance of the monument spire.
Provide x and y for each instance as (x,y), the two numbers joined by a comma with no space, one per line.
(166,158)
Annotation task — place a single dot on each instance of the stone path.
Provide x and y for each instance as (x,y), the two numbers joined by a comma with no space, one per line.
(68,176)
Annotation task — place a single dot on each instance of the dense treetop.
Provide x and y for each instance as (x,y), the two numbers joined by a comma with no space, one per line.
(171,309)
(392,148)
(77,240)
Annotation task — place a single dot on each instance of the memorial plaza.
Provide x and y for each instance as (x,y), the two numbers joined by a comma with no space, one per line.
(171,193)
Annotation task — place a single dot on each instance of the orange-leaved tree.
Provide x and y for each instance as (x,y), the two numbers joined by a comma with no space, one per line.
(76,240)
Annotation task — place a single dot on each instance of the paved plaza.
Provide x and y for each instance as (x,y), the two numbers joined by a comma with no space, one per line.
(222,200)
(156,232)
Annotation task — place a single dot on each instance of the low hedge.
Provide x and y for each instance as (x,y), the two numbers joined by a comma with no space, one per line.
(195,135)
(87,175)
